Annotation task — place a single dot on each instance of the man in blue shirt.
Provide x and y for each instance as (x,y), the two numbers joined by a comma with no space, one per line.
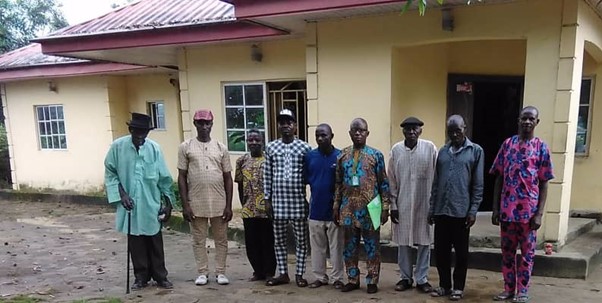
(324,233)
(455,198)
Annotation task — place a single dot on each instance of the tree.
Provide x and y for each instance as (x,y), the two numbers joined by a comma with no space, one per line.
(22,20)
(422,4)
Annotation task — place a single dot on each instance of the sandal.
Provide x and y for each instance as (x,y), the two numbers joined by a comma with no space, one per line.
(440,292)
(521,299)
(456,295)
(300,281)
(503,296)
(282,279)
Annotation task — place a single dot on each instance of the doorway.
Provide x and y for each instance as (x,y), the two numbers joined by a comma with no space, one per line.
(289,95)
(490,105)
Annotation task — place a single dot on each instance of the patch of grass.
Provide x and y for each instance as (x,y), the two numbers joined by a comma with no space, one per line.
(20,299)
(99,300)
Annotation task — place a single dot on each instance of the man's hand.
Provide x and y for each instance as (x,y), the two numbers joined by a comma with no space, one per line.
(336,216)
(227,214)
(431,219)
(395,216)
(187,213)
(127,202)
(535,222)
(495,218)
(268,209)
(384,216)
(470,220)
(165,214)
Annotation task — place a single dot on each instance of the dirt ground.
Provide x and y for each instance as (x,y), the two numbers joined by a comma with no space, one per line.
(64,252)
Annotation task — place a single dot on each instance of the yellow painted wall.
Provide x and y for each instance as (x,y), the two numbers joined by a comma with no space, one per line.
(118,105)
(157,87)
(419,81)
(357,58)
(85,106)
(586,192)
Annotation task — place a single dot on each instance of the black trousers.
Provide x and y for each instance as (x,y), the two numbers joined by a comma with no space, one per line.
(259,242)
(148,257)
(451,232)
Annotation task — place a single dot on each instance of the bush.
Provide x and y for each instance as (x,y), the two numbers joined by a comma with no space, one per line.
(5,174)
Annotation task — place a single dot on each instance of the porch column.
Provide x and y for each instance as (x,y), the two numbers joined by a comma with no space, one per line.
(552,84)
(311,70)
(184,95)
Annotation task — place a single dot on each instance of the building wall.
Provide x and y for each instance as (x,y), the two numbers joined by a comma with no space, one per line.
(85,106)
(586,190)
(118,104)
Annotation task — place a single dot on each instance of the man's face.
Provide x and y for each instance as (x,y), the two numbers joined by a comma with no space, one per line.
(358,132)
(323,137)
(138,135)
(412,132)
(287,127)
(527,121)
(254,142)
(203,127)
(456,133)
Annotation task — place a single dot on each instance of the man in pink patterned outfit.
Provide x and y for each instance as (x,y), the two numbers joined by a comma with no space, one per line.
(523,168)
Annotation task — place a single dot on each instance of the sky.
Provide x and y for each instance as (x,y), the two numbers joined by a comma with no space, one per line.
(77,11)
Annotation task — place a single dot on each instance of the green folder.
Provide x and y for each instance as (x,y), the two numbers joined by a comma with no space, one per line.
(375,208)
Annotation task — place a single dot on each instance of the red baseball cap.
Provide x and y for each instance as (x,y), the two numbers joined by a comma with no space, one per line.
(203,114)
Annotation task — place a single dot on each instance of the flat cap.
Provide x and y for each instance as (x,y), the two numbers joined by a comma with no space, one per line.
(411,121)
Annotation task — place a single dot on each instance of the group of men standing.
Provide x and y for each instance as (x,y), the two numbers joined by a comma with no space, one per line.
(351,193)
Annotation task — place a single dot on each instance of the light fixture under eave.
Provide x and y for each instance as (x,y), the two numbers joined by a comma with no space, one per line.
(447,20)
(53,87)
(256,53)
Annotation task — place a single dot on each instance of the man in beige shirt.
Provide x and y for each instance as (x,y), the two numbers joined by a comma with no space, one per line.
(205,183)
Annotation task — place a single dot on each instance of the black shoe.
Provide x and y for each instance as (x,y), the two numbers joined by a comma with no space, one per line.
(138,285)
(372,289)
(338,284)
(424,288)
(349,287)
(403,285)
(165,284)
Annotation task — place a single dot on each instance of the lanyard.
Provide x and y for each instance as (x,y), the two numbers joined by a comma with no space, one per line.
(357,156)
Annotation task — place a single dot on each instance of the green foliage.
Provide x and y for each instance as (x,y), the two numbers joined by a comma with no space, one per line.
(422,4)
(20,299)
(22,20)
(5,174)
(177,204)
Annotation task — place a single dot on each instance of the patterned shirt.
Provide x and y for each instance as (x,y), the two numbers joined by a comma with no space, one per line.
(283,182)
(352,200)
(523,165)
(458,185)
(249,172)
(206,163)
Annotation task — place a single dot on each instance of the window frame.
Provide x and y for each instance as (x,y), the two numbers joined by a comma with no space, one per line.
(590,106)
(245,107)
(50,120)
(149,110)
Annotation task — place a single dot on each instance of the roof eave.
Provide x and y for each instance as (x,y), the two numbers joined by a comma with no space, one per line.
(65,70)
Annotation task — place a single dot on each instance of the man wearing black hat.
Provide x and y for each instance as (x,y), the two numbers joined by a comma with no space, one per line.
(284,189)
(411,170)
(136,177)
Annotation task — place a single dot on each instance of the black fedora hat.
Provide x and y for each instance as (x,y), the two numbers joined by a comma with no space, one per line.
(141,121)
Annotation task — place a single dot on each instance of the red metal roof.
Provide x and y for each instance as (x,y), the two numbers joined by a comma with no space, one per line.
(31,55)
(152,14)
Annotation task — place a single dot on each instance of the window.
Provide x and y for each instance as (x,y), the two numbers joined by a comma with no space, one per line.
(584,118)
(156,109)
(51,126)
(245,110)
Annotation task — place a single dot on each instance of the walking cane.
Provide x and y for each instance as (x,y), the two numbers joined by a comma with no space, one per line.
(127,280)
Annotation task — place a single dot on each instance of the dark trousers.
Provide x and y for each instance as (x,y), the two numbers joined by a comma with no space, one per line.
(451,232)
(259,242)
(148,257)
